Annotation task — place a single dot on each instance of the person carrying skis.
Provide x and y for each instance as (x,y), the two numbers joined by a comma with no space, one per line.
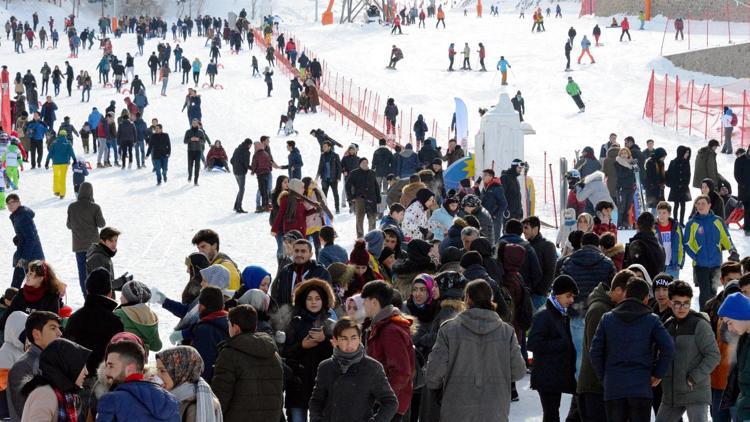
(503,67)
(585,45)
(575,92)
(467,55)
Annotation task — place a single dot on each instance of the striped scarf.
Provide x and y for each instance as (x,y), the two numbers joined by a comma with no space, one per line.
(66,406)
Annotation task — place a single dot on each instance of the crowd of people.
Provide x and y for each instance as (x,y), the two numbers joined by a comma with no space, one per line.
(444,302)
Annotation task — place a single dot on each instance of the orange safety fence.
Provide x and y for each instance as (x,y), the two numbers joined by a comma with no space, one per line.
(682,104)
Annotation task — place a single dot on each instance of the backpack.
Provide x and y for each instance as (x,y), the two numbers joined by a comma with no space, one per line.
(636,252)
(521,306)
(734,120)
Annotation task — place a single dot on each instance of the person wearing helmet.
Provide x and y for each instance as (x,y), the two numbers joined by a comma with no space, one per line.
(573,177)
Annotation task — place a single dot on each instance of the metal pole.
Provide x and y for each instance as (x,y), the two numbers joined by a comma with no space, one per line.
(552,186)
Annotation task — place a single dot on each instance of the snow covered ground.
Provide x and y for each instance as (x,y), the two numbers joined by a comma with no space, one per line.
(158,222)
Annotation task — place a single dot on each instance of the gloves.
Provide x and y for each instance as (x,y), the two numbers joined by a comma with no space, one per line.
(120,281)
(176,338)
(157,296)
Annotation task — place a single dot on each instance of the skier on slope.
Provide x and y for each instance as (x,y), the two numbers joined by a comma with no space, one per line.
(503,66)
(451,56)
(467,55)
(575,92)
(396,55)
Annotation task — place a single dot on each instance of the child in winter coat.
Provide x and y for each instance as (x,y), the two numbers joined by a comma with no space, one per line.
(11,159)
(612,249)
(80,171)
(85,132)
(137,317)
(568,225)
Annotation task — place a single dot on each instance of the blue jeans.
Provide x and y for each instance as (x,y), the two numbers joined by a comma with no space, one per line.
(576,332)
(164,82)
(279,246)
(160,168)
(112,145)
(140,153)
(673,270)
(296,414)
(81,261)
(258,200)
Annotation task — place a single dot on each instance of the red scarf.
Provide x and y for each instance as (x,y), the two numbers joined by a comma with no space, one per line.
(66,406)
(134,377)
(33,294)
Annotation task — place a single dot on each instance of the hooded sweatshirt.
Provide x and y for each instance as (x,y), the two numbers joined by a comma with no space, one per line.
(140,320)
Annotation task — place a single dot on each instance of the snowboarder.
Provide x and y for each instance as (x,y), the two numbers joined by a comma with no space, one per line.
(519,105)
(575,92)
(585,45)
(503,66)
(396,55)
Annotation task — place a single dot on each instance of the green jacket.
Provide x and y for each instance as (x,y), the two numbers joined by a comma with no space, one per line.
(573,89)
(248,378)
(599,303)
(142,321)
(696,355)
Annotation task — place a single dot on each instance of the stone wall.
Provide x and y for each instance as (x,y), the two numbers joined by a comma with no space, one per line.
(716,9)
(733,61)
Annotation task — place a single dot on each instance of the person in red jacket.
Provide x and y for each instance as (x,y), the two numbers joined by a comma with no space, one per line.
(482,53)
(603,220)
(292,214)
(389,342)
(625,26)
(217,157)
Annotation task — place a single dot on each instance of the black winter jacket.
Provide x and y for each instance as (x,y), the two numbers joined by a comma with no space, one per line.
(333,160)
(362,184)
(554,354)
(547,254)
(93,326)
(283,285)
(645,249)
(240,160)
(588,266)
(509,179)
(383,162)
(678,177)
(159,146)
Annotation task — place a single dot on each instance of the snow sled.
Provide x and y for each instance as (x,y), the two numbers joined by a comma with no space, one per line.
(220,66)
(108,85)
(50,48)
(735,217)
(125,91)
(36,47)
(72,56)
(234,52)
(217,169)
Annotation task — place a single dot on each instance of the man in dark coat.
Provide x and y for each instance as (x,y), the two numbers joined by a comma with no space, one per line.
(194,139)
(363,190)
(159,148)
(99,255)
(509,179)
(545,251)
(705,164)
(240,166)
(329,172)
(248,374)
(94,324)
(742,176)
(364,377)
(428,153)
(126,137)
(302,268)
(383,163)
(454,152)
(531,271)
(493,200)
(631,351)
(26,239)
(635,151)
(644,248)
(294,161)
(84,220)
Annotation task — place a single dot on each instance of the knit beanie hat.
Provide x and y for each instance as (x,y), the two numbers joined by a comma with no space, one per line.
(253,275)
(451,285)
(472,201)
(136,292)
(212,300)
(99,282)
(216,275)
(428,281)
(341,274)
(296,185)
(736,306)
(385,254)
(359,255)
(661,280)
(564,284)
(424,195)
(470,258)
(375,240)
(450,254)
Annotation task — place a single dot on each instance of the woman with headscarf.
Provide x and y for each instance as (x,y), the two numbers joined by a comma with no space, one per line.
(307,343)
(355,308)
(417,216)
(180,369)
(585,222)
(264,306)
(255,277)
(52,395)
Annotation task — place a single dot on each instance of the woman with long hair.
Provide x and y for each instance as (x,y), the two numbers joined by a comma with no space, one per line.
(41,291)
(307,343)
(625,185)
(292,214)
(282,185)
(318,219)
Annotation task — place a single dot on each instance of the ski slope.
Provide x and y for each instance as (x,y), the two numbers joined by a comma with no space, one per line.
(158,222)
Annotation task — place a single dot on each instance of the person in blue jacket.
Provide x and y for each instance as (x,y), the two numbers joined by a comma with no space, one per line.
(35,130)
(503,66)
(706,236)
(212,329)
(26,239)
(94,118)
(294,167)
(193,105)
(134,398)
(631,353)
(407,162)
(140,140)
(61,153)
